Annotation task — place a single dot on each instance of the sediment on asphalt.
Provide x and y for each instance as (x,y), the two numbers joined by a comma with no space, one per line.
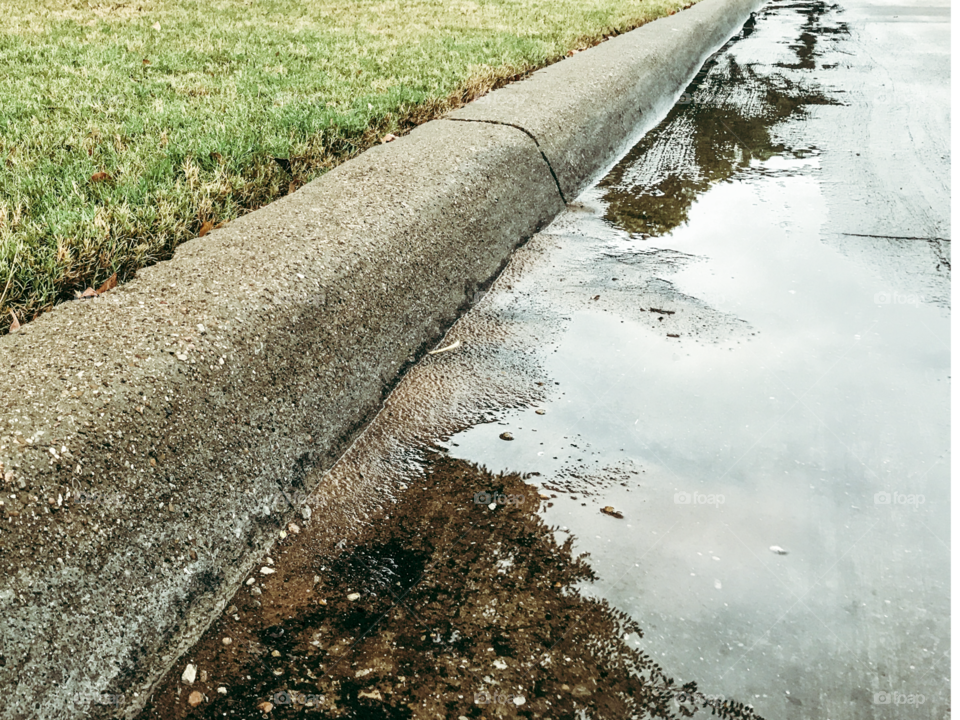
(154,439)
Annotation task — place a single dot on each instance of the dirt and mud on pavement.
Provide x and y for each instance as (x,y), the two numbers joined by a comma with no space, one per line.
(459,602)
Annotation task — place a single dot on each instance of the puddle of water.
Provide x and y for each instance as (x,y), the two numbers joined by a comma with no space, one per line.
(460,602)
(728,343)
(779,444)
(724,123)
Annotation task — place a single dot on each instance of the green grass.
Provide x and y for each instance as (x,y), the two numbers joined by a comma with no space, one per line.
(185,105)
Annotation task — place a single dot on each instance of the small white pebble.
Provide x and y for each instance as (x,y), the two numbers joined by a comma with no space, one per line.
(222,690)
(267,571)
(353,596)
(189,674)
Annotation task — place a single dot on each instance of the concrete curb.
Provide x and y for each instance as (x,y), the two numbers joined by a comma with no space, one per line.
(155,439)
(585,112)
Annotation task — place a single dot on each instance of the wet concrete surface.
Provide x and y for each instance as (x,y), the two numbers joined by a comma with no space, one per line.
(738,342)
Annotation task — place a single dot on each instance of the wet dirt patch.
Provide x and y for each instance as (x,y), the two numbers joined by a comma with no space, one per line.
(458,602)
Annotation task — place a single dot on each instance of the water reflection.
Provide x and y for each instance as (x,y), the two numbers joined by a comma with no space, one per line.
(722,124)
(790,428)
(820,23)
(463,604)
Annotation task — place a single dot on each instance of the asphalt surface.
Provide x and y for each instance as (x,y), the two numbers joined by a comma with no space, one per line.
(785,431)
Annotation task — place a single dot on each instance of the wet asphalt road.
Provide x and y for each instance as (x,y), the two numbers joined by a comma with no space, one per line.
(785,428)
(739,341)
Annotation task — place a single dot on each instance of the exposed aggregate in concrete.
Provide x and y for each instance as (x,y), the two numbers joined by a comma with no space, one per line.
(314,305)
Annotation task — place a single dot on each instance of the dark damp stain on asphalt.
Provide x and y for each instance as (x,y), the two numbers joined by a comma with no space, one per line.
(457,602)
(814,29)
(730,112)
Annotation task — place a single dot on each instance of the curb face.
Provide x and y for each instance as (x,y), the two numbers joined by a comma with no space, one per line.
(588,110)
(154,440)
(178,467)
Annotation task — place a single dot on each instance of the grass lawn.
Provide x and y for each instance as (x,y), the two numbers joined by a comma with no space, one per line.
(127,125)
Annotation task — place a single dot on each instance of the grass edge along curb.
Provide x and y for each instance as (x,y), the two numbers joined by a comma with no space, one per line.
(46,267)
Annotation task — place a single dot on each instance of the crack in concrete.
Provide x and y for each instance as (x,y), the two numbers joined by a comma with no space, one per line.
(897,237)
(528,134)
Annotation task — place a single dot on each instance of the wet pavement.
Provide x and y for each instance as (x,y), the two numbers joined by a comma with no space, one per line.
(723,374)
(447,608)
